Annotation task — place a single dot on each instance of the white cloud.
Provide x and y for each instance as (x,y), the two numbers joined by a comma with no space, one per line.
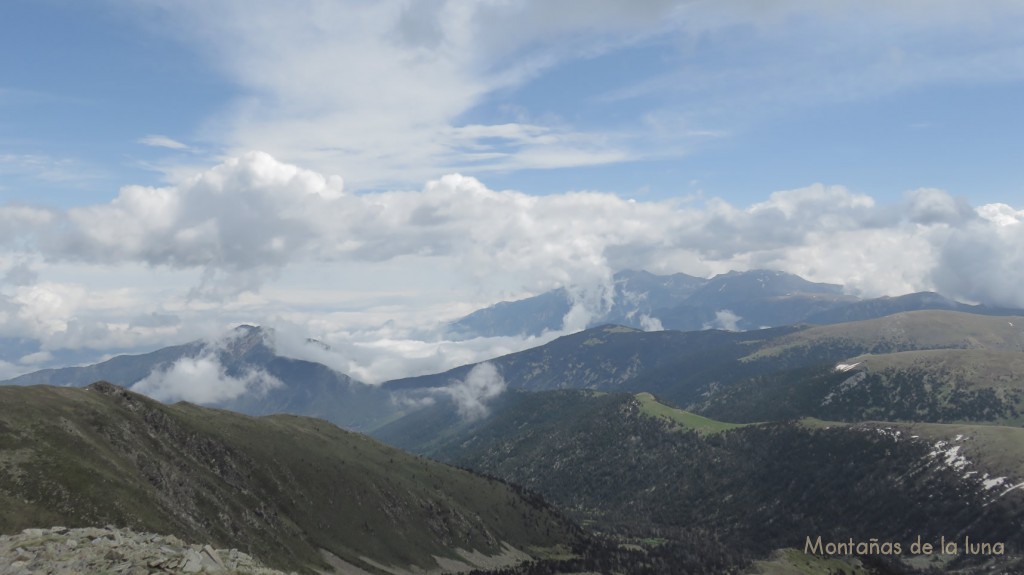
(482,384)
(395,81)
(18,221)
(203,380)
(724,319)
(1001,214)
(931,206)
(160,141)
(376,355)
(36,358)
(650,323)
(471,395)
(45,308)
(255,240)
(983,260)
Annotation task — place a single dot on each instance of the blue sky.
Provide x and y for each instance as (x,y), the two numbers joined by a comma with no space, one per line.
(364,171)
(734,102)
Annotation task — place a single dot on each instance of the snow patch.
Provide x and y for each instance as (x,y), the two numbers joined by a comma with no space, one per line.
(950,454)
(895,434)
(847,366)
(993,483)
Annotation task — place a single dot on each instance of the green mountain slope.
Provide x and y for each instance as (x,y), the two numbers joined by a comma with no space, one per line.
(957,367)
(982,384)
(609,357)
(906,331)
(615,462)
(282,488)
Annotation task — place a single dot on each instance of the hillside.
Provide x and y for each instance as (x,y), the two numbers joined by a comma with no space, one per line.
(615,463)
(905,332)
(284,489)
(247,354)
(927,386)
(607,357)
(942,366)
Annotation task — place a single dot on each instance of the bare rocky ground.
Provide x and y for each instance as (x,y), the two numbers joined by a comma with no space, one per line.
(63,551)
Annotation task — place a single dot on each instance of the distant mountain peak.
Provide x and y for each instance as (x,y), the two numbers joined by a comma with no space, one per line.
(739,300)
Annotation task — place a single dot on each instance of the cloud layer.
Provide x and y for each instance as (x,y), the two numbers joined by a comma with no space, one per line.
(244,221)
(260,241)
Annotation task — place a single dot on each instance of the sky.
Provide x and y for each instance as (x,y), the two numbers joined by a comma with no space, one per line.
(362,172)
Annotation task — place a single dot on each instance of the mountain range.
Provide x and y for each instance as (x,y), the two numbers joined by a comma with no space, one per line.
(245,354)
(734,300)
(924,366)
(696,369)
(711,450)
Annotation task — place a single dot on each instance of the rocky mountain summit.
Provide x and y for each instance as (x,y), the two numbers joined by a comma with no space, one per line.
(63,551)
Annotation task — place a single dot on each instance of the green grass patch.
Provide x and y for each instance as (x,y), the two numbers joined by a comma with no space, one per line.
(796,562)
(649,405)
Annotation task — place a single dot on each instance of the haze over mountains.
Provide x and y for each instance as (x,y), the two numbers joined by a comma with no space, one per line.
(255,371)
(244,243)
(673,449)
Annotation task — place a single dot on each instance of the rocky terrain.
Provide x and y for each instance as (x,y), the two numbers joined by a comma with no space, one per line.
(63,551)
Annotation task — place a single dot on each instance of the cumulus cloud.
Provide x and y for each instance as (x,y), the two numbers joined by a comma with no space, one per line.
(16,221)
(243,222)
(724,319)
(650,323)
(203,380)
(482,384)
(256,240)
(983,261)
(933,206)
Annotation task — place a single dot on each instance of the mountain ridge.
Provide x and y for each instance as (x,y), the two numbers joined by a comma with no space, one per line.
(733,300)
(273,383)
(279,487)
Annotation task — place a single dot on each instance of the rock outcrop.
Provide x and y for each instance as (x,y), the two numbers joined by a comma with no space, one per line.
(63,551)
